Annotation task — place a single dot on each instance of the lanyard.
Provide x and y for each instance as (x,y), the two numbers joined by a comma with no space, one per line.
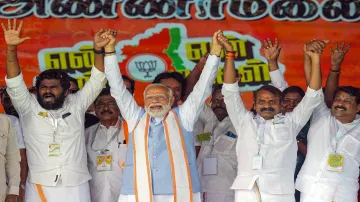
(258,138)
(54,122)
(337,139)
(116,134)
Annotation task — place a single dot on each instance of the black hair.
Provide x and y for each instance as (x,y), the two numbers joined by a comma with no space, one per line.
(216,87)
(54,74)
(73,80)
(105,91)
(293,89)
(351,91)
(132,82)
(270,89)
(172,75)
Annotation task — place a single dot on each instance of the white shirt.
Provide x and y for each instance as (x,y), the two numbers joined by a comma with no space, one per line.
(321,143)
(39,125)
(206,123)
(223,148)
(278,142)
(16,125)
(189,110)
(105,185)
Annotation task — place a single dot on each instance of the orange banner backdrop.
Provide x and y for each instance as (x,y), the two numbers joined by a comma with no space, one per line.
(173,35)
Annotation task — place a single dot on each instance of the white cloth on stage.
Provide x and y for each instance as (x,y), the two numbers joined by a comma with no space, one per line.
(250,196)
(58,193)
(157,198)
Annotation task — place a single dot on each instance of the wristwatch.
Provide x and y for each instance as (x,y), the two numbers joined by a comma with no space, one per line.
(22,186)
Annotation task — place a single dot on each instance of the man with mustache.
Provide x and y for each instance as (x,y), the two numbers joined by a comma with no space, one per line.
(266,145)
(291,97)
(53,124)
(331,168)
(107,139)
(160,163)
(217,160)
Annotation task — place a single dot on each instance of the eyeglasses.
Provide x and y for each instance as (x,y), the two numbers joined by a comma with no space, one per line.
(101,105)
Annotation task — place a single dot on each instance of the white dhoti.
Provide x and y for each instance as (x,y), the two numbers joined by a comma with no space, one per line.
(2,198)
(209,197)
(340,195)
(59,193)
(157,198)
(250,196)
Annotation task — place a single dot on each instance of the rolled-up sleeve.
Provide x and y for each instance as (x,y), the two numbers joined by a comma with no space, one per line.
(303,111)
(191,108)
(278,80)
(129,109)
(234,105)
(19,94)
(87,95)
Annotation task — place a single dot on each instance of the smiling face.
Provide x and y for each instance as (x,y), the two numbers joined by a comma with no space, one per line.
(344,107)
(106,108)
(290,101)
(157,99)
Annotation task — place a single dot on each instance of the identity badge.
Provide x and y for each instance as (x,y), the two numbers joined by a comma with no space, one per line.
(335,162)
(54,149)
(257,162)
(104,160)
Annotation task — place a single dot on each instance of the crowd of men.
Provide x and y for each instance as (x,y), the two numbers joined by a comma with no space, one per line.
(59,143)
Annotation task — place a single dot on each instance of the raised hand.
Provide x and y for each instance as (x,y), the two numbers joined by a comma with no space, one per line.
(224,42)
(314,48)
(337,55)
(100,42)
(271,51)
(12,34)
(111,36)
(216,47)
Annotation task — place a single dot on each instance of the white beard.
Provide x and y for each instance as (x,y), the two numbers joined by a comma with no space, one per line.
(157,113)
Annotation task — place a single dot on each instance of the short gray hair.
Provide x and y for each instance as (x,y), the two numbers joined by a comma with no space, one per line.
(158,85)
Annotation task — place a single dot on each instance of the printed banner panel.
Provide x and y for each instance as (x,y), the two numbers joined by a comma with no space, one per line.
(168,35)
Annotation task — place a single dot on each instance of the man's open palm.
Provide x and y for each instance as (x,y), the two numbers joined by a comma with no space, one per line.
(12,34)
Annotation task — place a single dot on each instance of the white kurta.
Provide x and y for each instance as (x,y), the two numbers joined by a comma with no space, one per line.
(216,188)
(157,198)
(314,181)
(278,146)
(105,185)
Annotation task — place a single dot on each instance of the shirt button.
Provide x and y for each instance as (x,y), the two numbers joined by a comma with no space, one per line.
(154,157)
(155,144)
(62,141)
(155,170)
(62,154)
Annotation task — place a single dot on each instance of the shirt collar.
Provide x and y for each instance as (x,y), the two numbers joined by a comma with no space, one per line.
(117,125)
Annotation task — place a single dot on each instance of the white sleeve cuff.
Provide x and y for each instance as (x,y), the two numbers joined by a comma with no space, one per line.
(14,82)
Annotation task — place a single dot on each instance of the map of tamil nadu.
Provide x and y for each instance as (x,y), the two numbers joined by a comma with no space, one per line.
(151,53)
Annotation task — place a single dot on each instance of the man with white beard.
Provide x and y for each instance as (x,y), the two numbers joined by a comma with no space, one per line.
(160,163)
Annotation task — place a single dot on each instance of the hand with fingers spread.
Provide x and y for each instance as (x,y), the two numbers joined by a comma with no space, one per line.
(337,55)
(224,42)
(12,34)
(216,46)
(271,51)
